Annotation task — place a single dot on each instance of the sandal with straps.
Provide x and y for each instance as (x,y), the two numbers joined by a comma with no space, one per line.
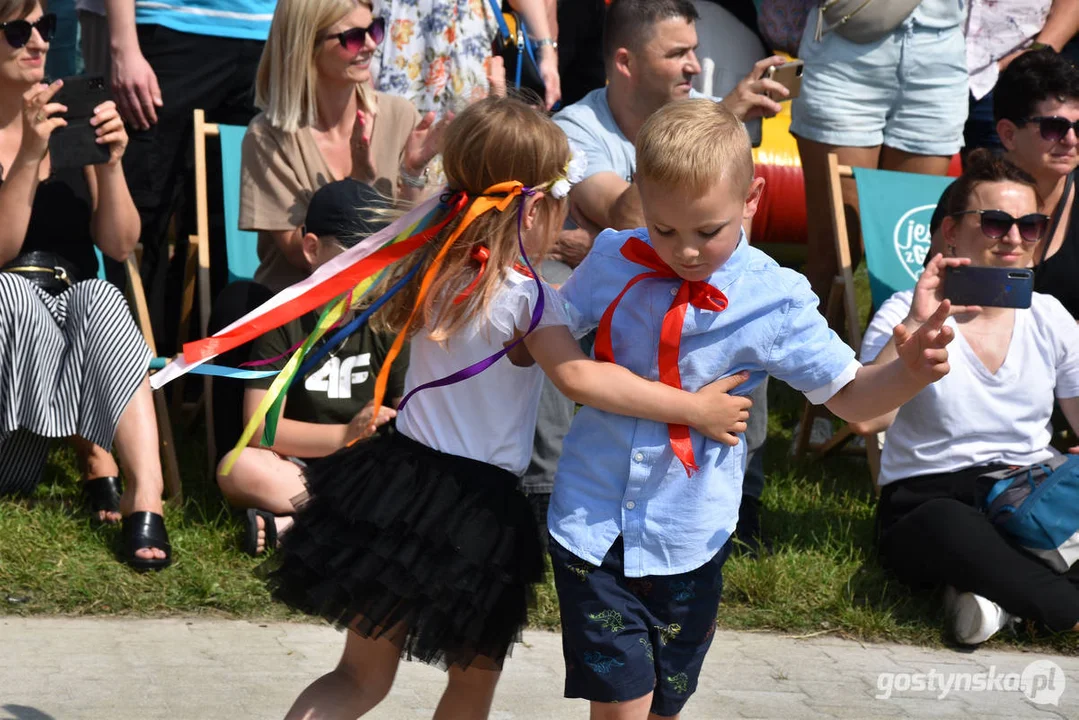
(143,530)
(102,495)
(251,532)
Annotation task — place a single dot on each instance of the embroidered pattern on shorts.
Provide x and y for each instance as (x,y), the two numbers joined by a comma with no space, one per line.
(679,683)
(668,633)
(609,620)
(682,591)
(581,569)
(601,663)
(639,587)
(648,652)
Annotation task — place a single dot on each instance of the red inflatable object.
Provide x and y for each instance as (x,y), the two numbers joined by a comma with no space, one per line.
(781,214)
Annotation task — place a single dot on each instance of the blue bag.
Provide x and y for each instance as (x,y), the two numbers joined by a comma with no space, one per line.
(1039,507)
(518,53)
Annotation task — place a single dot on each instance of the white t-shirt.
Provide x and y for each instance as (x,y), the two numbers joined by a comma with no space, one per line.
(971,417)
(489,417)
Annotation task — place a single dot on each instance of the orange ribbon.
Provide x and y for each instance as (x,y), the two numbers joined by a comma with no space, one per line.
(319,295)
(497,197)
(691,292)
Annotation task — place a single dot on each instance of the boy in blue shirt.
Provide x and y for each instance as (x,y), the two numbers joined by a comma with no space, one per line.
(642,514)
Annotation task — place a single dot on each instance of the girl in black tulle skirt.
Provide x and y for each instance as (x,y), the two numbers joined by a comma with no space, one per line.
(420,542)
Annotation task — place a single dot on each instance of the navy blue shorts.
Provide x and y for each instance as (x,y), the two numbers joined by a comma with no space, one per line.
(623,638)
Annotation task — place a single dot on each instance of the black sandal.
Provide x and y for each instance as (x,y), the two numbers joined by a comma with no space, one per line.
(251,533)
(146,530)
(102,495)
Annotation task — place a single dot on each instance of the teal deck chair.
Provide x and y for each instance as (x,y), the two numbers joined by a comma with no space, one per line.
(894,210)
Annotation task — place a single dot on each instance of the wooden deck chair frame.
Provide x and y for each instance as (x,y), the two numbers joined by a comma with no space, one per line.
(198,265)
(841,308)
(170,466)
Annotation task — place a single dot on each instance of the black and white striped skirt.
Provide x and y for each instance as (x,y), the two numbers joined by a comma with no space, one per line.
(69,365)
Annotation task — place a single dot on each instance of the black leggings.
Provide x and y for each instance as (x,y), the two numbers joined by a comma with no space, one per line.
(932,531)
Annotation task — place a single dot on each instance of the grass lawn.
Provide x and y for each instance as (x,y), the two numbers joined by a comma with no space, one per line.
(821,578)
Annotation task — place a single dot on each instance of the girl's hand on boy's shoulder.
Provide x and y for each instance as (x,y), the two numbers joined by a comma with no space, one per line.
(720,415)
(365,423)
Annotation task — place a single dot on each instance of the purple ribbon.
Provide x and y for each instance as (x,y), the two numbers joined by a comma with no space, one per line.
(537,313)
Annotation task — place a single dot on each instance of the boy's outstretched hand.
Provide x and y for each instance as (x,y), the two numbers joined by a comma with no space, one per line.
(719,415)
(923,352)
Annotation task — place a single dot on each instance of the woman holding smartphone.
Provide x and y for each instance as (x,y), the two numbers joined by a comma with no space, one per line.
(991,411)
(72,362)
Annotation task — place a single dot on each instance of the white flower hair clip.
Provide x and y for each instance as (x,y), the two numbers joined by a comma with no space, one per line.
(573,174)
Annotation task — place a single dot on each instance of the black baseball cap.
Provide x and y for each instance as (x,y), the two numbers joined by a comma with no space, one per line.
(349,210)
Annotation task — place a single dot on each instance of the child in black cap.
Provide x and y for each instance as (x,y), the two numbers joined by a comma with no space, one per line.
(329,407)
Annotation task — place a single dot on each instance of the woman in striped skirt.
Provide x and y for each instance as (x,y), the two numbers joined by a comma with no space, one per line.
(72,361)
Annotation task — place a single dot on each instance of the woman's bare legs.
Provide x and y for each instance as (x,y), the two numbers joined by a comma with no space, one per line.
(137,445)
(903,161)
(359,682)
(636,709)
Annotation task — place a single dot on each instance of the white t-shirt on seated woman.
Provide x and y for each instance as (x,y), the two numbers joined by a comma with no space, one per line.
(971,416)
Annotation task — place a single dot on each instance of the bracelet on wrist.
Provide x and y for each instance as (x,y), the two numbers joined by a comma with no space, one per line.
(413,181)
(541,42)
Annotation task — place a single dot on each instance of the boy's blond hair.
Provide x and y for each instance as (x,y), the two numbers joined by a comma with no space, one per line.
(692,145)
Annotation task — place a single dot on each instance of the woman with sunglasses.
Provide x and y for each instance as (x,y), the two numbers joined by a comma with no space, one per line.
(72,362)
(992,410)
(1036,104)
(322,122)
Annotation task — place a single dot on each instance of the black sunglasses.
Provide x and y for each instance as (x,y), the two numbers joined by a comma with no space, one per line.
(997,223)
(1052,127)
(354,39)
(17,32)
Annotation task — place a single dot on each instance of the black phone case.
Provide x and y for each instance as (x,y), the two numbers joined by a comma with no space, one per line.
(75,145)
(989,286)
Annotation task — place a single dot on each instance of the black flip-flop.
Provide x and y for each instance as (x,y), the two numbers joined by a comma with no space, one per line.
(251,532)
(143,530)
(102,494)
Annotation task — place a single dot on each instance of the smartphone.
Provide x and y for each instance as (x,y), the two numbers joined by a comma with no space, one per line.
(789,75)
(75,145)
(989,286)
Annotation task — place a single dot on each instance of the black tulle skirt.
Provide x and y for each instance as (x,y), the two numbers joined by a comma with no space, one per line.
(436,552)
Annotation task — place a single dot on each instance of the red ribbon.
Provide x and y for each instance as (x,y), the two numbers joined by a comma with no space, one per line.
(321,294)
(691,292)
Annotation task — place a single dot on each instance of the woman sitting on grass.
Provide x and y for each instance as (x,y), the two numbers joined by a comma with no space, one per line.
(72,362)
(332,405)
(991,411)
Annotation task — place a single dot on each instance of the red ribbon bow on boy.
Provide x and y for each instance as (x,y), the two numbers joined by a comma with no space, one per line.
(691,292)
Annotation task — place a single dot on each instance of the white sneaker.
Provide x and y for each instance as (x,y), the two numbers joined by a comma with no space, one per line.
(974,618)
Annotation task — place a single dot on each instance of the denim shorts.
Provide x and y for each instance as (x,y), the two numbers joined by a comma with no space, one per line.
(908,90)
(623,638)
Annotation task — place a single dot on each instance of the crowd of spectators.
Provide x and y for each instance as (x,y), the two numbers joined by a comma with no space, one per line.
(346,104)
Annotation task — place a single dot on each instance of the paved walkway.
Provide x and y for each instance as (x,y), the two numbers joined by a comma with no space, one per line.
(121,669)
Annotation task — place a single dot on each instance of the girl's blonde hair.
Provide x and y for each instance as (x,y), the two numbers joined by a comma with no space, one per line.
(493,141)
(287,77)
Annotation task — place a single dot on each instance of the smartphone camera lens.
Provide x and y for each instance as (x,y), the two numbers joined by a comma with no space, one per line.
(798,71)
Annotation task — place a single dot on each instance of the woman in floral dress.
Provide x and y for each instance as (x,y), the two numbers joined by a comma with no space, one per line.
(435,50)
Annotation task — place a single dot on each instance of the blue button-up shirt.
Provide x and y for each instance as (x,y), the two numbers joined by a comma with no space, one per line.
(618,475)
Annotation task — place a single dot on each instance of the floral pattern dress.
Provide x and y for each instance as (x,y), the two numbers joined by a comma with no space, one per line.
(434,51)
